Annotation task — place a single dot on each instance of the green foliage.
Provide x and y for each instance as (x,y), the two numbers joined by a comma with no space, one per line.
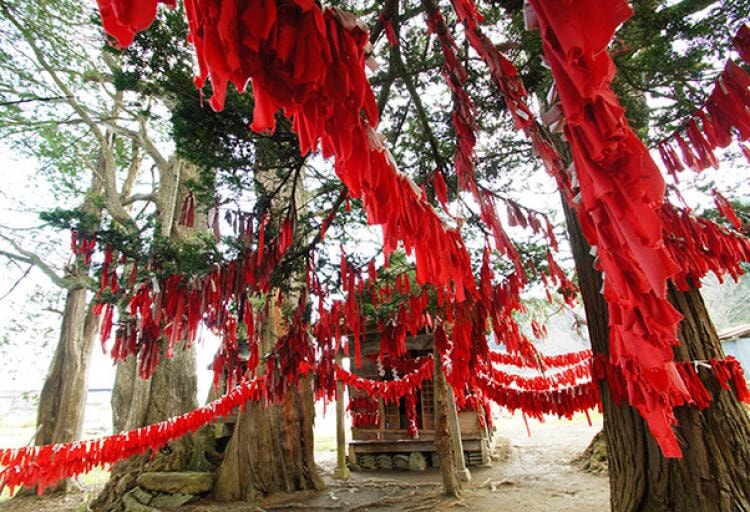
(35,120)
(74,218)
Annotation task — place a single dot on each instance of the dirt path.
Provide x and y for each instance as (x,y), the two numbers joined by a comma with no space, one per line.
(535,475)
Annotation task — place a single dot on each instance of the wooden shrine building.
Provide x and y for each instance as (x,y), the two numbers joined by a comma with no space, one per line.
(386,442)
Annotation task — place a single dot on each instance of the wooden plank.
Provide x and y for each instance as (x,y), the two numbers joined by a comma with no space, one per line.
(402,446)
(468,422)
(342,471)
(395,446)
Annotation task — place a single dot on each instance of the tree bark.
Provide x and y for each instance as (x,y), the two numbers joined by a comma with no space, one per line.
(714,473)
(172,389)
(594,457)
(63,398)
(272,447)
(443,445)
(62,401)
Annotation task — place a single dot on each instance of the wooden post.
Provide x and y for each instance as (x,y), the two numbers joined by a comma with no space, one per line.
(342,471)
(458,448)
(451,484)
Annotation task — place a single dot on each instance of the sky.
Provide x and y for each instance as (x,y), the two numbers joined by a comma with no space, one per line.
(27,358)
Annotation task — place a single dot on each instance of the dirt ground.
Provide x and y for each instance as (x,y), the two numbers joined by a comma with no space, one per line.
(534,475)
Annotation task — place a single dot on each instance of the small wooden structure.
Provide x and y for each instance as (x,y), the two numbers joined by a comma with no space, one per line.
(391,437)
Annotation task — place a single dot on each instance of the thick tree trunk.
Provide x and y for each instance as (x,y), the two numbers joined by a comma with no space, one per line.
(715,471)
(63,397)
(594,457)
(443,444)
(171,390)
(62,400)
(271,449)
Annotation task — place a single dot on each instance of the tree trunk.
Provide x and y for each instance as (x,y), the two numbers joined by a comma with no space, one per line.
(594,457)
(714,473)
(63,397)
(172,389)
(272,446)
(271,449)
(443,444)
(62,401)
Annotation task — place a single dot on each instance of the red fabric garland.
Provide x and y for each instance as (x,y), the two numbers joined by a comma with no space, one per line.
(562,402)
(390,390)
(309,62)
(567,377)
(702,246)
(724,370)
(43,466)
(364,411)
(555,361)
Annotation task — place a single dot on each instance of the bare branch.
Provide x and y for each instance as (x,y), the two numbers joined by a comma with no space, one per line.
(42,60)
(149,198)
(135,165)
(18,281)
(31,100)
(107,163)
(33,259)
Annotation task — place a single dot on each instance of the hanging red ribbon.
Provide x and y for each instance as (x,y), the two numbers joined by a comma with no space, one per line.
(556,361)
(702,246)
(620,192)
(43,466)
(365,411)
(724,117)
(388,390)
(257,43)
(563,378)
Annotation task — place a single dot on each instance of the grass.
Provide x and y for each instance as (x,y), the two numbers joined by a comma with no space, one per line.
(97,477)
(325,443)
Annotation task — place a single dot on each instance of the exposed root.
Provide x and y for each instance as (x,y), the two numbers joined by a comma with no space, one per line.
(594,457)
(384,502)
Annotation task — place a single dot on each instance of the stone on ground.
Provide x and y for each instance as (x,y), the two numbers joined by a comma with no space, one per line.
(179,482)
(417,462)
(171,500)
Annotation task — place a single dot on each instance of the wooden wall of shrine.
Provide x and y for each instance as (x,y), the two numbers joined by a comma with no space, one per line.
(391,434)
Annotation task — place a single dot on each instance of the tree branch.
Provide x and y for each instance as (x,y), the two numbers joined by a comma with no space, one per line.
(107,163)
(31,100)
(400,67)
(15,285)
(149,198)
(33,259)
